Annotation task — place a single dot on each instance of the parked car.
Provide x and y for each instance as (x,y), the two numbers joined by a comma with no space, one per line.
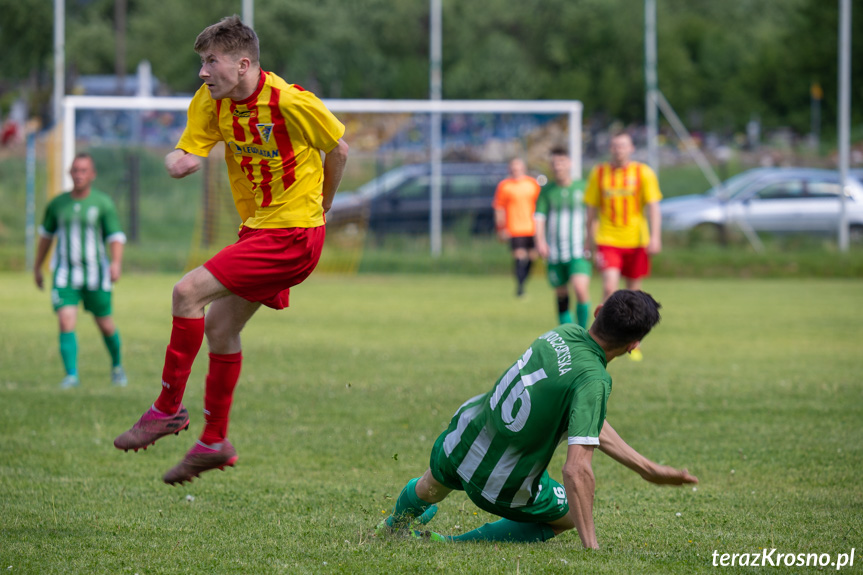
(775,200)
(399,200)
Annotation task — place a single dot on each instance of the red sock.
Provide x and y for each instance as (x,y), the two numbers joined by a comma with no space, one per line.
(219,394)
(187,335)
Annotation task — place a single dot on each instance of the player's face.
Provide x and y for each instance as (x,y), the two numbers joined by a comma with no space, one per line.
(621,149)
(221,73)
(517,169)
(561,167)
(83,173)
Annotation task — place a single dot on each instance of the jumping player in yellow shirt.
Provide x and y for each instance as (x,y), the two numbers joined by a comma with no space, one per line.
(274,135)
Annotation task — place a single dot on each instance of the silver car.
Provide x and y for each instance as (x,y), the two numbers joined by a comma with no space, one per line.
(774,200)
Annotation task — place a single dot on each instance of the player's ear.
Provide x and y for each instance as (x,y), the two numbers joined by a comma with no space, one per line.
(596,311)
(632,346)
(244,64)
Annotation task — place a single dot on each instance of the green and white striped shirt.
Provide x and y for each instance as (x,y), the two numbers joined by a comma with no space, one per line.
(82,228)
(563,210)
(503,440)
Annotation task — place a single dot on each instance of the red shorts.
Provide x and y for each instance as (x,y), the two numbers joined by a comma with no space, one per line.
(265,263)
(633,263)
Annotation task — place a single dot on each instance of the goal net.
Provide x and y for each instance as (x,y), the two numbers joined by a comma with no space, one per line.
(387,198)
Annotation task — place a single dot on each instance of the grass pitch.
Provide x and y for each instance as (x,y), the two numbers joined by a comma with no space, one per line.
(754,385)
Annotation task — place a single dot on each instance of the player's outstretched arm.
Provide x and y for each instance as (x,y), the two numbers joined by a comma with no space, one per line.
(180,163)
(580,484)
(615,447)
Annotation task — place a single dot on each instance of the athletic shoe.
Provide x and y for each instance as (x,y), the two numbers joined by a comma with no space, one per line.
(429,536)
(200,459)
(118,377)
(152,426)
(390,525)
(636,355)
(70,381)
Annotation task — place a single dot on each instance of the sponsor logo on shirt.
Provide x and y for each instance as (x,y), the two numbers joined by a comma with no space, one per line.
(252,150)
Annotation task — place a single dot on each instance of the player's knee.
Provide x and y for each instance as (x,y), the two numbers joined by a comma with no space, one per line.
(184,294)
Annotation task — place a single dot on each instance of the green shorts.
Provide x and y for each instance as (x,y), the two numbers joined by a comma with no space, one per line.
(559,273)
(546,506)
(97,302)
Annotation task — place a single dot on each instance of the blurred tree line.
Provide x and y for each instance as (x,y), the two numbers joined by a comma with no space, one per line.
(720,63)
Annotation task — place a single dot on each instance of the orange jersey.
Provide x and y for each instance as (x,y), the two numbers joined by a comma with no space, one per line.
(517,198)
(273,144)
(620,194)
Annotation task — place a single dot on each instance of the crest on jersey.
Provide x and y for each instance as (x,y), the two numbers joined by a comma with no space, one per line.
(265,130)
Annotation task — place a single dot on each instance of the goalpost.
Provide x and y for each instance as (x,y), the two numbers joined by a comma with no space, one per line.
(570,109)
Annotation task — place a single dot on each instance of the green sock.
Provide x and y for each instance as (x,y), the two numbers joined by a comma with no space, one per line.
(112,342)
(564,317)
(408,505)
(69,352)
(582,312)
(507,530)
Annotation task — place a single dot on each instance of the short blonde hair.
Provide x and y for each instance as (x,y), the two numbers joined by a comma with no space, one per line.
(230,36)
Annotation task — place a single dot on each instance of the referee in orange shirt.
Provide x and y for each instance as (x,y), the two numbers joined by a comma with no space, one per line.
(275,136)
(514,204)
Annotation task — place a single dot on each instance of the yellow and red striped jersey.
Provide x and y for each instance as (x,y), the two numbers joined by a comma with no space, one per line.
(620,194)
(273,144)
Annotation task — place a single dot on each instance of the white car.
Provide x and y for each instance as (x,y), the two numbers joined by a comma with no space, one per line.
(774,200)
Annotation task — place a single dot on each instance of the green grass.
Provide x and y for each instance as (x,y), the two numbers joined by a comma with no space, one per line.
(754,385)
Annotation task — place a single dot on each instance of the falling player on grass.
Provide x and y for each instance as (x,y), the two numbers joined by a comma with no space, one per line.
(498,445)
(274,134)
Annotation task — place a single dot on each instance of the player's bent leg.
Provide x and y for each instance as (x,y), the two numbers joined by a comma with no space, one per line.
(194,291)
(565,523)
(430,489)
(507,530)
(415,504)
(224,321)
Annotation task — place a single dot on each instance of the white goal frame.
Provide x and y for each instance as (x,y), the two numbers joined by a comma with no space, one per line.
(571,108)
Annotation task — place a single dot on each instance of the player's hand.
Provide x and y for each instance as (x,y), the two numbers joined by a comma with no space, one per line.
(115,270)
(665,475)
(503,235)
(654,246)
(180,164)
(542,249)
(37,276)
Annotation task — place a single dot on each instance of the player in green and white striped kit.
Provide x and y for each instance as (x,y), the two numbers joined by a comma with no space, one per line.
(498,445)
(560,238)
(83,221)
